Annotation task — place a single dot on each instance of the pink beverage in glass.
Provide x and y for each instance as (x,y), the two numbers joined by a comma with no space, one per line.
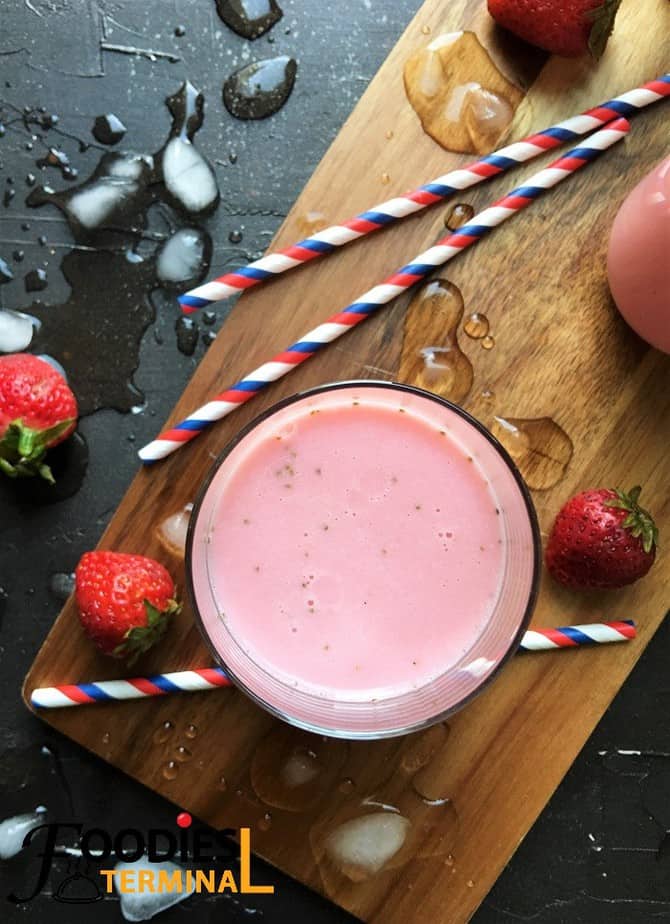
(352,550)
(638,264)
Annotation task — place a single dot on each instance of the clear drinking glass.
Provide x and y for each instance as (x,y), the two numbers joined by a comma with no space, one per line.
(355,716)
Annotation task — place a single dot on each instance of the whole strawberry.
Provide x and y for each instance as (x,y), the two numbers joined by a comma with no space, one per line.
(564,27)
(37,411)
(602,539)
(124,601)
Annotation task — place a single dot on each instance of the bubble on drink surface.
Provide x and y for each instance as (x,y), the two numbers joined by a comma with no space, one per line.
(13,831)
(144,905)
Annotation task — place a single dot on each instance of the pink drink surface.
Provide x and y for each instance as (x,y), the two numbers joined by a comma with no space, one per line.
(355,551)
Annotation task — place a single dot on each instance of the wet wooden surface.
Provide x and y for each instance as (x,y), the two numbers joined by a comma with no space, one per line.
(560,352)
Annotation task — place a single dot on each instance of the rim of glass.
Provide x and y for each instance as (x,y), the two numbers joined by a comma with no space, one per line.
(534,584)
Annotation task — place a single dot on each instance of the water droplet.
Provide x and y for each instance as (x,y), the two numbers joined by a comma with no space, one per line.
(235,236)
(222,784)
(265,823)
(6,275)
(36,280)
(106,738)
(9,194)
(389,134)
(488,394)
(311,222)
(232,157)
(425,30)
(458,215)
(433,316)
(455,109)
(540,448)
(18,256)
(108,129)
(259,89)
(292,770)
(476,325)
(488,342)
(180,31)
(183,754)
(347,786)
(249,18)
(61,585)
(385,178)
(170,770)
(191,731)
(163,732)
(55,158)
(171,533)
(31,179)
(187,335)
(208,318)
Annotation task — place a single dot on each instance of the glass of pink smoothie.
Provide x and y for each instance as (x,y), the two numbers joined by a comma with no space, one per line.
(363,558)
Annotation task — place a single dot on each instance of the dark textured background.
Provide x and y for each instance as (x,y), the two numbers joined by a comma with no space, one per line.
(597,852)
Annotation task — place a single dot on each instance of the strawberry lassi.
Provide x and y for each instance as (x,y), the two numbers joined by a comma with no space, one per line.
(353,546)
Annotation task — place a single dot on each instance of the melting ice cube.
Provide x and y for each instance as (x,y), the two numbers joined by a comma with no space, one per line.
(16,331)
(183,257)
(188,176)
(14,830)
(141,906)
(362,846)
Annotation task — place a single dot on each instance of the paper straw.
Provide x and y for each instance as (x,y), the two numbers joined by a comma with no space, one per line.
(379,216)
(598,633)
(424,264)
(209,678)
(102,691)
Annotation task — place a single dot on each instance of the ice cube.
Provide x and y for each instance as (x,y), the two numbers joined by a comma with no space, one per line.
(16,331)
(188,176)
(141,906)
(362,846)
(182,256)
(14,830)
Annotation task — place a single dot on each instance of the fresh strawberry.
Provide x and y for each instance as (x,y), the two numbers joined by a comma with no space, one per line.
(37,411)
(124,601)
(564,27)
(602,539)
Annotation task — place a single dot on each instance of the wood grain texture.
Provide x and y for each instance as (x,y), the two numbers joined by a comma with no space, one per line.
(561,351)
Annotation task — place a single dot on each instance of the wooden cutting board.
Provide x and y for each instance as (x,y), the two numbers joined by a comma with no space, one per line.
(561,352)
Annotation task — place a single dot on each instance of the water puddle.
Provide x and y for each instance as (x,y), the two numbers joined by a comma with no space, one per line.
(431,356)
(249,18)
(293,770)
(462,100)
(541,449)
(458,215)
(260,89)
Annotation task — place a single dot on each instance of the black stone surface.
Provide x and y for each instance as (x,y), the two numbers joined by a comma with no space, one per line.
(598,853)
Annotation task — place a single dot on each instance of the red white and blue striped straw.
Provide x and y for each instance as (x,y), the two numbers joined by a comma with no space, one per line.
(370,302)
(209,678)
(102,691)
(598,633)
(379,216)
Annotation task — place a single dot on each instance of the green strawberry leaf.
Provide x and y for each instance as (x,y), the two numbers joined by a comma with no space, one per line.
(139,639)
(639,521)
(602,18)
